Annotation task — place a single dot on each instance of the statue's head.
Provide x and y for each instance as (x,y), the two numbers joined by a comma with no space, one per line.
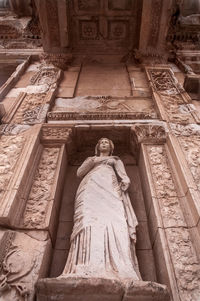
(104,145)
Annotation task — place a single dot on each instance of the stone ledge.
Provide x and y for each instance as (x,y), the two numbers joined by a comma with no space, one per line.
(99,289)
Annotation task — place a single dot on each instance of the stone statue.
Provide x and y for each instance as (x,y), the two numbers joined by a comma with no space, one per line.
(104,233)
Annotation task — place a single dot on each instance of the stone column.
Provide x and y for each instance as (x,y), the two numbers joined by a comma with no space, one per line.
(22,8)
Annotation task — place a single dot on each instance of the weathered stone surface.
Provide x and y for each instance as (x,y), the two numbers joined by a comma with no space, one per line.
(24,258)
(60,289)
(182,252)
(40,197)
(171,98)
(10,150)
(16,159)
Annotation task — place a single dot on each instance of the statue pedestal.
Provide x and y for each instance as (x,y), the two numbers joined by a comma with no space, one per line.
(99,289)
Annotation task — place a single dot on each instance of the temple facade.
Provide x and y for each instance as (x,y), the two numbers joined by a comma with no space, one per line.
(71,72)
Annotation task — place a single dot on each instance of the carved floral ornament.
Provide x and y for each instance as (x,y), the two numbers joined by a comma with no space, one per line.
(188,130)
(56,133)
(164,81)
(148,133)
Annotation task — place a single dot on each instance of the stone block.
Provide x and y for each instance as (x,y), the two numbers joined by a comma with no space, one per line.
(65,92)
(192,83)
(69,79)
(8,102)
(24,80)
(25,258)
(97,289)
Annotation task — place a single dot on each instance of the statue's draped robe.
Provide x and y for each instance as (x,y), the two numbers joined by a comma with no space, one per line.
(104,222)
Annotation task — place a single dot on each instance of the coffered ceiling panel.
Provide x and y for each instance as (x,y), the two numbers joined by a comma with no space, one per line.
(110,25)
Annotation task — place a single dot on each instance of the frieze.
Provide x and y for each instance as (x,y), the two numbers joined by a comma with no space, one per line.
(40,194)
(55,133)
(149,133)
(98,116)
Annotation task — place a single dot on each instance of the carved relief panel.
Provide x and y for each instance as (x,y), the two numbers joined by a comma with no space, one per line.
(171,99)
(170,235)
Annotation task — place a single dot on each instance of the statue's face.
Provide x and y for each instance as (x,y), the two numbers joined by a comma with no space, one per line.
(104,145)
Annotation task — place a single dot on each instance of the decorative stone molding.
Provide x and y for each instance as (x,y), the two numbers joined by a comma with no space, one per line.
(20,268)
(21,7)
(47,75)
(10,149)
(59,60)
(171,99)
(58,116)
(149,133)
(185,130)
(56,133)
(40,196)
(17,155)
(164,205)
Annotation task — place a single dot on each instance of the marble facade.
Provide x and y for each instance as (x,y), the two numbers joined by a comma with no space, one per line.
(125,70)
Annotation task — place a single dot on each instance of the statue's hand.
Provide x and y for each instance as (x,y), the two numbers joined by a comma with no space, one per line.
(134,239)
(124,185)
(111,161)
